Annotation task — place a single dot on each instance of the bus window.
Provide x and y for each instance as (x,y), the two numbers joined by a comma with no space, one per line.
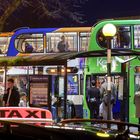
(123,37)
(4,43)
(137,36)
(120,40)
(55,38)
(72,39)
(29,43)
(84,41)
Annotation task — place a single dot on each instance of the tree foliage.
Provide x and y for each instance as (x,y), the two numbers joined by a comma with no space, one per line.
(62,10)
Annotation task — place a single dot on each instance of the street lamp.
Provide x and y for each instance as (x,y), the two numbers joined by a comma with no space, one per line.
(109,30)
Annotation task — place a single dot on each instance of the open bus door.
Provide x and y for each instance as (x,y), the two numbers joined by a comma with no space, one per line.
(120,81)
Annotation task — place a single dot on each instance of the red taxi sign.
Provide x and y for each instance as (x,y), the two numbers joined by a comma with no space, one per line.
(25,114)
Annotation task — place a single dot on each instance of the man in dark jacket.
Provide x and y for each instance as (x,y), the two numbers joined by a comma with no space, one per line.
(93,100)
(12,97)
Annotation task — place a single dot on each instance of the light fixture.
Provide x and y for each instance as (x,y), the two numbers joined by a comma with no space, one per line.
(109,30)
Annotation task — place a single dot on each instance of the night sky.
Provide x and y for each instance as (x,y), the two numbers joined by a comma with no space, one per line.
(102,9)
(93,11)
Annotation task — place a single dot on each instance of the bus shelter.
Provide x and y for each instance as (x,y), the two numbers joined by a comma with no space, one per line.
(60,59)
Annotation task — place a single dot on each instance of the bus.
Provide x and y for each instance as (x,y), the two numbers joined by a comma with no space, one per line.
(45,41)
(125,70)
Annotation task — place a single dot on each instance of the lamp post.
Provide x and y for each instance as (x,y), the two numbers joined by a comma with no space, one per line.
(109,30)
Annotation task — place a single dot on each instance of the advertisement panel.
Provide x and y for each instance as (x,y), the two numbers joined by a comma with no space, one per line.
(39,90)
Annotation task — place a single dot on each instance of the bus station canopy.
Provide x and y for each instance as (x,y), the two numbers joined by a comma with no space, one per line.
(59,58)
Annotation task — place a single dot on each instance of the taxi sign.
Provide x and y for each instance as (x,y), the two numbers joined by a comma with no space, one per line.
(25,114)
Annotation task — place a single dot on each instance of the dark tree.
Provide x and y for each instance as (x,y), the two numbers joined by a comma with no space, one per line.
(56,11)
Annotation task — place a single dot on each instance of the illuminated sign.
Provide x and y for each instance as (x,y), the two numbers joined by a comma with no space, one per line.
(24,112)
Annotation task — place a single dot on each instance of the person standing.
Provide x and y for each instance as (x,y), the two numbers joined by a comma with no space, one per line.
(93,100)
(12,97)
(104,95)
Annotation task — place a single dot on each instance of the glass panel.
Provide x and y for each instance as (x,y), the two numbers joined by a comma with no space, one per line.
(120,85)
(84,41)
(137,36)
(29,43)
(61,42)
(61,86)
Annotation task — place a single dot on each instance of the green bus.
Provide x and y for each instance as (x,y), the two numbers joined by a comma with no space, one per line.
(125,70)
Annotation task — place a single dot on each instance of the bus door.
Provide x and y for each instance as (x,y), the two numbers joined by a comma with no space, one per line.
(118,80)
(58,95)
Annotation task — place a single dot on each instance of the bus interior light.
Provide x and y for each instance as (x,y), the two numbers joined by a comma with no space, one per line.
(62,70)
(52,70)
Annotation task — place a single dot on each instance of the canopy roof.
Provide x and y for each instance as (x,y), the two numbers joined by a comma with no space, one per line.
(59,58)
